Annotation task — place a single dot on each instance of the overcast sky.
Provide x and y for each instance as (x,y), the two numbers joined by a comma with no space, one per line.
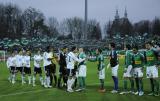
(101,10)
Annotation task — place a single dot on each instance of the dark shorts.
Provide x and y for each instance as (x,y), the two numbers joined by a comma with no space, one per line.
(53,68)
(19,69)
(47,69)
(71,72)
(13,68)
(37,70)
(27,70)
(62,70)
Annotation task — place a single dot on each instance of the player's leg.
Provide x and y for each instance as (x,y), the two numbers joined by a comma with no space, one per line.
(70,80)
(64,74)
(124,85)
(84,76)
(156,80)
(29,75)
(125,78)
(54,75)
(13,75)
(34,76)
(115,79)
(80,84)
(84,83)
(47,77)
(141,86)
(136,80)
(140,81)
(60,77)
(101,78)
(131,79)
(156,83)
(23,70)
(40,76)
(149,75)
(10,74)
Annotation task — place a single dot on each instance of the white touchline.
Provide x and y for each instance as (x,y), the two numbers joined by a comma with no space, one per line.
(12,94)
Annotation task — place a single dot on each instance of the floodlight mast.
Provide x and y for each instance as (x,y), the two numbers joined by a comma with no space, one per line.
(85,20)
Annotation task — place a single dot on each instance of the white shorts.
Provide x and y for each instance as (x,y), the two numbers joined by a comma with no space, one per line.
(137,72)
(102,74)
(115,70)
(128,72)
(152,72)
(82,71)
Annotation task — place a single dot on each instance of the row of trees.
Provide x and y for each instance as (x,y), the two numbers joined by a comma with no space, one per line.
(124,27)
(31,22)
(16,23)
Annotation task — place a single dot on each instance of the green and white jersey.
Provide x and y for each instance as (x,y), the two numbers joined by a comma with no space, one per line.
(100,62)
(138,60)
(82,55)
(128,58)
(151,57)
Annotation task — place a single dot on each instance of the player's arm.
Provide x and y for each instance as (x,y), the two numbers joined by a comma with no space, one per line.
(7,63)
(143,60)
(78,60)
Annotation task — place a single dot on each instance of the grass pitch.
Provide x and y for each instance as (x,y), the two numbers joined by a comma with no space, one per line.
(19,92)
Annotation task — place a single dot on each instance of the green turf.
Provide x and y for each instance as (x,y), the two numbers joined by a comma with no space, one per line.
(18,92)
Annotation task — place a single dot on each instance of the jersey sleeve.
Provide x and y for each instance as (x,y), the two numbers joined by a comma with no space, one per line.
(76,59)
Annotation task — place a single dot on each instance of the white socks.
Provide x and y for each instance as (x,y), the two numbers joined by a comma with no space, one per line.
(29,80)
(70,82)
(33,80)
(48,81)
(41,80)
(23,79)
(13,78)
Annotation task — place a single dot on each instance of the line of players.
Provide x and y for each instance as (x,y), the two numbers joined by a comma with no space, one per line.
(133,69)
(135,62)
(21,62)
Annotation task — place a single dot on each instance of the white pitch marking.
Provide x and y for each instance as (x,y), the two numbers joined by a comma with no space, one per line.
(12,94)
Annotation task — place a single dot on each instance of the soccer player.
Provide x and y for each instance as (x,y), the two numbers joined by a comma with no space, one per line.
(114,66)
(128,70)
(138,63)
(70,60)
(62,67)
(19,65)
(27,65)
(47,57)
(82,69)
(151,60)
(11,64)
(53,67)
(101,69)
(37,67)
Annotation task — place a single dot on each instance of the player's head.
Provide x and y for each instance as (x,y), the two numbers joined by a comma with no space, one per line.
(65,49)
(13,53)
(20,52)
(28,53)
(98,51)
(112,45)
(148,45)
(38,51)
(74,49)
(127,47)
(135,49)
(49,48)
(80,50)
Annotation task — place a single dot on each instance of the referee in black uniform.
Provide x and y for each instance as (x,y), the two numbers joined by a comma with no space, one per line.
(62,67)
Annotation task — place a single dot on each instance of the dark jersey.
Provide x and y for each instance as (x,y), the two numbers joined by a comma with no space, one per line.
(62,61)
(113,58)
